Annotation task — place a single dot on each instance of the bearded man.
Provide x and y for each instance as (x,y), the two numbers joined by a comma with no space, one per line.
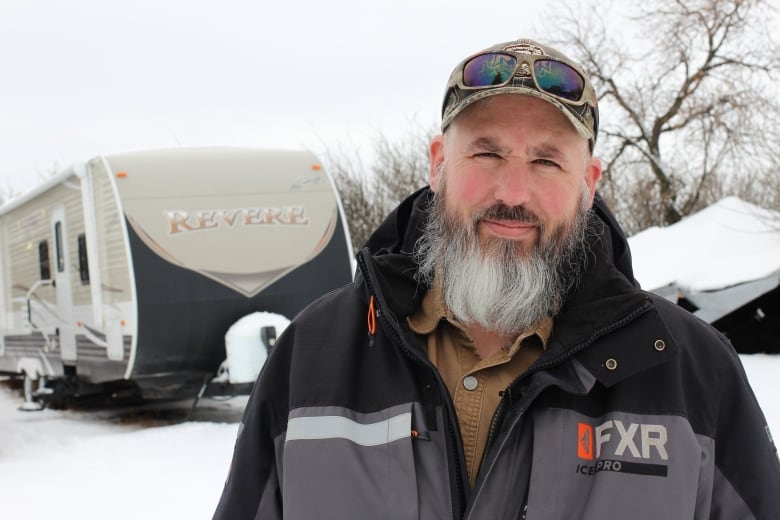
(494,357)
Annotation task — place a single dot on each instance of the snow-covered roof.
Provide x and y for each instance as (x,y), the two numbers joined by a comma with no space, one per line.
(729,243)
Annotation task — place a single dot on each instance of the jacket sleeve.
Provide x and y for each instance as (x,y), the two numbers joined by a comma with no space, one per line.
(253,486)
(746,483)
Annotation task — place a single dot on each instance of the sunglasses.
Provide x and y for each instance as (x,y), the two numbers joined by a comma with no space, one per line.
(553,77)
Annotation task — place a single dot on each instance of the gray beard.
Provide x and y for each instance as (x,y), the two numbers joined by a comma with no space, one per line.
(502,286)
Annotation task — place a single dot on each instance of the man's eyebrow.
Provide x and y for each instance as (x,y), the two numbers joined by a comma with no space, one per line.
(547,151)
(487,143)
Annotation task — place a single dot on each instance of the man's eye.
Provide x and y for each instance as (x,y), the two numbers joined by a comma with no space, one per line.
(547,162)
(492,155)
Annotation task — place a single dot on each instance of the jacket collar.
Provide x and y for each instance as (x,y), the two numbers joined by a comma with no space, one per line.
(607,295)
(629,350)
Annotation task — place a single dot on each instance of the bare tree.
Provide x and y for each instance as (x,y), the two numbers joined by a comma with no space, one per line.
(687,102)
(368,193)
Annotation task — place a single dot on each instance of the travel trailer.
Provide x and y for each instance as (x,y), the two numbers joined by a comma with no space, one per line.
(121,276)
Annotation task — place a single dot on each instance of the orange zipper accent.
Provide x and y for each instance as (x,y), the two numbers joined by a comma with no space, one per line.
(372,316)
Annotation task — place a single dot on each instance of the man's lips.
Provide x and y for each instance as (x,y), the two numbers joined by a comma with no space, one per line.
(511,229)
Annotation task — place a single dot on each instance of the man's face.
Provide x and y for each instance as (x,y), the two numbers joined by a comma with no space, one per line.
(518,152)
(506,229)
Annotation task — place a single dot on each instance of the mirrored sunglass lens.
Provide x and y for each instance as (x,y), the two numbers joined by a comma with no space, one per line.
(488,69)
(559,79)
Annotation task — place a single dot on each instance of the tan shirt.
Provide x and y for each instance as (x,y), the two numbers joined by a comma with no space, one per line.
(474,383)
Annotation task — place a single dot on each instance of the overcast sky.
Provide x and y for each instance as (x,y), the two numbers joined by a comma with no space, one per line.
(80,78)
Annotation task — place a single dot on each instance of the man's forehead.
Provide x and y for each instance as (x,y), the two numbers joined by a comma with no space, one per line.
(491,123)
(541,142)
(496,143)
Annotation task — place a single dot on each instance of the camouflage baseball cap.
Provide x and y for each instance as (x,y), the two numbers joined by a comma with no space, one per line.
(524,67)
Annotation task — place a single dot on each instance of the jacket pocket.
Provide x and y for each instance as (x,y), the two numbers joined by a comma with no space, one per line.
(338,463)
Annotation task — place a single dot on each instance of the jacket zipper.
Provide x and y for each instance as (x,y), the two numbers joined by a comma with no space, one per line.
(396,336)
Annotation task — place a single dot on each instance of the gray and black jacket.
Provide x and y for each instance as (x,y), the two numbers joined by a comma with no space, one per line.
(636,410)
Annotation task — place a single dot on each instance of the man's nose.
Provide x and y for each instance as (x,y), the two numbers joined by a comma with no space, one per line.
(514,185)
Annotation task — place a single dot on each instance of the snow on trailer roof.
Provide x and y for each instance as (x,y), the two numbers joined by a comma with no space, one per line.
(729,243)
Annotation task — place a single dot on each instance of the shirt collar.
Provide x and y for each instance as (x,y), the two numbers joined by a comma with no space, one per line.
(433,309)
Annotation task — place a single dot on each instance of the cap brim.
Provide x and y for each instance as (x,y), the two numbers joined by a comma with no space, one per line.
(514,89)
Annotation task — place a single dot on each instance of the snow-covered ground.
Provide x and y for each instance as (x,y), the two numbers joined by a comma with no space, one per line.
(156,464)
(120,465)
(165,460)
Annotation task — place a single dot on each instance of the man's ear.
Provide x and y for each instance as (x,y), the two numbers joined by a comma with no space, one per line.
(592,176)
(436,155)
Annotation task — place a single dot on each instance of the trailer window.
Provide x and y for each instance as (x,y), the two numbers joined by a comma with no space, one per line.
(58,246)
(83,265)
(43,259)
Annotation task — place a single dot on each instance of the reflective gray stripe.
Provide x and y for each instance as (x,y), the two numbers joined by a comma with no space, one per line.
(335,427)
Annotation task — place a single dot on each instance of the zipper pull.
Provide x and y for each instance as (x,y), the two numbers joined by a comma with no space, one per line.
(372,314)
(423,436)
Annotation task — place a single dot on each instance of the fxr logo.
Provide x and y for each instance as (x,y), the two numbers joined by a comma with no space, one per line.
(590,439)
(585,441)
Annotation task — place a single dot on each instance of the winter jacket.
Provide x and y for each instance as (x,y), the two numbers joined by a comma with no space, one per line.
(636,410)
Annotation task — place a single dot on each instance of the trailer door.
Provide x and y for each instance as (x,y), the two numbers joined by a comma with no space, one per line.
(65,329)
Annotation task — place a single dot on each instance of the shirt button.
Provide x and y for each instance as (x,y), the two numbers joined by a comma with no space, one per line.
(470,382)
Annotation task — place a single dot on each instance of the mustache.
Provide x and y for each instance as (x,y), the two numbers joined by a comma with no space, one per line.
(504,212)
